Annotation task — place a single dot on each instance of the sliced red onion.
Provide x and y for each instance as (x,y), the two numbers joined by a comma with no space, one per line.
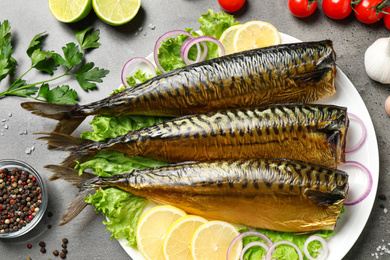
(249,245)
(163,37)
(245,234)
(325,249)
(362,138)
(134,60)
(200,57)
(284,242)
(198,40)
(369,184)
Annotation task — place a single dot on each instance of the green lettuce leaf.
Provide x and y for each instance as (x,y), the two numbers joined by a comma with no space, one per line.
(122,209)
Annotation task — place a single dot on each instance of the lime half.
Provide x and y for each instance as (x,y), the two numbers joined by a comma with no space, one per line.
(70,11)
(116,12)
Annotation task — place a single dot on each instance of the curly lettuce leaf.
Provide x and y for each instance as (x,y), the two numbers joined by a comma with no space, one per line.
(283,252)
(105,126)
(122,209)
(212,24)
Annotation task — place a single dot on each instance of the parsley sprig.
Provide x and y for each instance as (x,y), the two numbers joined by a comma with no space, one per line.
(72,60)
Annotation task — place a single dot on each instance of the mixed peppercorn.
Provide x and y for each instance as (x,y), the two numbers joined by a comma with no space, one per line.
(20,199)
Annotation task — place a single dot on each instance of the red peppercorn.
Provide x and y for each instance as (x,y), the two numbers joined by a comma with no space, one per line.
(9,176)
(30,217)
(2,221)
(29,246)
(9,215)
(24,183)
(34,179)
(13,180)
(1,171)
(12,202)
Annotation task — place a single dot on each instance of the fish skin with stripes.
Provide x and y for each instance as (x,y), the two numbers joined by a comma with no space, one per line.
(312,133)
(273,194)
(285,73)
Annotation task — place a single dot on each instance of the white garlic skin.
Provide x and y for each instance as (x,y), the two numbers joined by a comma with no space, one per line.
(387,106)
(377,61)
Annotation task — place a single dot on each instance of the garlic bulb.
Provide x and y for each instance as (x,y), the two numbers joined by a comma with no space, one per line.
(377,60)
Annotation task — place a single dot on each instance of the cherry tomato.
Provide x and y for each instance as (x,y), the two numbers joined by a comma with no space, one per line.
(300,8)
(366,15)
(231,5)
(337,9)
(386,18)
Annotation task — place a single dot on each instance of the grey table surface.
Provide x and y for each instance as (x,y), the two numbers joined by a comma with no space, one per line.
(86,234)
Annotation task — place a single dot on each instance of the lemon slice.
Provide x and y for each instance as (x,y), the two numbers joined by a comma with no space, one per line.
(151,230)
(255,34)
(177,242)
(212,239)
(227,39)
(70,11)
(116,12)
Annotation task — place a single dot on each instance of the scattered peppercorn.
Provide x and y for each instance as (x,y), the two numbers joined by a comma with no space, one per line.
(29,246)
(55,253)
(382,206)
(63,255)
(19,203)
(382,197)
(43,250)
(28,258)
(49,214)
(65,241)
(42,244)
(64,250)
(63,245)
(49,226)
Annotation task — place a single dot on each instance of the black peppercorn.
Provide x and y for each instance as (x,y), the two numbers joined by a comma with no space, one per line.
(43,250)
(63,255)
(65,241)
(42,244)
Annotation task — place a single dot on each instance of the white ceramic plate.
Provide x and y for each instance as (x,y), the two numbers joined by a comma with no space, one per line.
(352,222)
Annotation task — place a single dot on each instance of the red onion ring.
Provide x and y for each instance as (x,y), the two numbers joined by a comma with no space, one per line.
(249,245)
(369,185)
(245,234)
(284,242)
(134,60)
(200,57)
(198,40)
(163,37)
(362,138)
(325,248)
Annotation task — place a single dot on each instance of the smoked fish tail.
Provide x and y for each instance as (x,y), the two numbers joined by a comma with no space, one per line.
(80,181)
(80,149)
(69,116)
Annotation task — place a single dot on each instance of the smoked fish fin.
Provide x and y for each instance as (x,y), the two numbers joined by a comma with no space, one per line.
(81,181)
(69,116)
(315,75)
(75,206)
(80,149)
(68,174)
(324,198)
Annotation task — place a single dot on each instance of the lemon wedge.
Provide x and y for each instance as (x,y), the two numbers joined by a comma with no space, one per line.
(152,228)
(116,12)
(212,239)
(177,241)
(255,34)
(227,39)
(70,11)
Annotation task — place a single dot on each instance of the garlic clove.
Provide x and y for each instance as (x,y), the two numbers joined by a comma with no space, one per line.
(377,60)
(387,106)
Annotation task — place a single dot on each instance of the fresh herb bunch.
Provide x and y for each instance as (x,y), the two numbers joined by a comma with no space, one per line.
(47,62)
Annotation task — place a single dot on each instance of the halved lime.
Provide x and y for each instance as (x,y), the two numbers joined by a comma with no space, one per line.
(70,11)
(116,12)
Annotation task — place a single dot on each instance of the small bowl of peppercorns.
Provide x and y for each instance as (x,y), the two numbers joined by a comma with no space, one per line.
(23,198)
